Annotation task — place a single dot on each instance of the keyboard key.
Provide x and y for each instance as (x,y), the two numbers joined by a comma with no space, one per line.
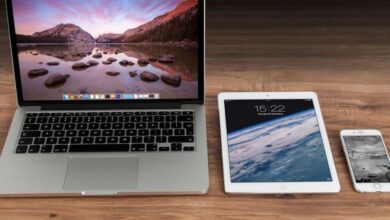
(68,114)
(39,140)
(117,126)
(107,133)
(161,139)
(167,132)
(93,126)
(101,119)
(155,132)
(151,147)
(100,140)
(105,126)
(83,133)
(71,133)
(58,126)
(30,120)
(77,119)
(30,134)
(56,114)
(185,118)
(148,139)
(81,126)
(176,125)
(188,113)
(124,140)
(136,139)
(30,127)
(87,140)
(112,119)
(75,140)
(59,133)
(137,147)
(190,148)
(112,140)
(140,125)
(70,126)
(179,132)
(34,149)
(129,125)
(99,148)
(119,133)
(41,120)
(23,141)
(60,149)
(46,148)
(44,114)
(45,127)
(131,132)
(181,139)
(65,119)
(54,120)
(176,147)
(143,132)
(21,149)
(153,125)
(63,140)
(47,133)
(51,141)
(163,149)
(95,132)
(32,114)
(190,131)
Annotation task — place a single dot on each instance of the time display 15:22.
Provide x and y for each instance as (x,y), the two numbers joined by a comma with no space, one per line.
(270,109)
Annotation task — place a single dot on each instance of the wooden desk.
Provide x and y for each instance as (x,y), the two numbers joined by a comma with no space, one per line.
(339,49)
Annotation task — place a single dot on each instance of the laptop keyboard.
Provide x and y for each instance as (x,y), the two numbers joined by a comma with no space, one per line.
(135,131)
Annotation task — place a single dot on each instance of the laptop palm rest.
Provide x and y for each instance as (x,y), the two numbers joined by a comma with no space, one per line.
(91,174)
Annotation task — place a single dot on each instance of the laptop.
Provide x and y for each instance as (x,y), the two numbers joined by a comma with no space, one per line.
(110,98)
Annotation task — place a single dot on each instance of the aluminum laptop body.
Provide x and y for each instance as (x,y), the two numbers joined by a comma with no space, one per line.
(108,103)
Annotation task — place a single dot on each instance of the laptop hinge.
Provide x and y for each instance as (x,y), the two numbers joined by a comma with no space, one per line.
(111,106)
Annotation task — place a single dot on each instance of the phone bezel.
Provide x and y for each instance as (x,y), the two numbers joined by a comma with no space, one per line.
(364,187)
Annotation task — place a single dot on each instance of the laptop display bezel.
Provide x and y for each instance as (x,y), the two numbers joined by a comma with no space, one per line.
(19,90)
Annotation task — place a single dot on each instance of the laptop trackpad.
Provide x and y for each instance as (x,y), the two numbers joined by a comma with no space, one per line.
(101,173)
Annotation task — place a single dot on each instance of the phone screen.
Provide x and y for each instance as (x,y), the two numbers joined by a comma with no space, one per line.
(368,158)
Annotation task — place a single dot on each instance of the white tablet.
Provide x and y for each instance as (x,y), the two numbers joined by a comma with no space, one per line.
(275,142)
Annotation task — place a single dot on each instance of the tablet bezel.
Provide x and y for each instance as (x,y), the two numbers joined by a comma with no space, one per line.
(276,187)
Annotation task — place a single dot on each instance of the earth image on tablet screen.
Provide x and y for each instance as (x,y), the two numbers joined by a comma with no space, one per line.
(286,149)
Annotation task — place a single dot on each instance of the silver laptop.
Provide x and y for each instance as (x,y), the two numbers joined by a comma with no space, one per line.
(110,97)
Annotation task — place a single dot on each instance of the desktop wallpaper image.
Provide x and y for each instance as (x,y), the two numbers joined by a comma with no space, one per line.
(280,147)
(107,47)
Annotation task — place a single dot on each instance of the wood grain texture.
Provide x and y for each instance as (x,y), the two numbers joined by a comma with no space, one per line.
(339,49)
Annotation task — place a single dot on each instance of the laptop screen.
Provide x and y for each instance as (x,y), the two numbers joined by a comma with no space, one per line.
(72,50)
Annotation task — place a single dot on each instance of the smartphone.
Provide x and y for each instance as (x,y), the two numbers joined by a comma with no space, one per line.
(368,160)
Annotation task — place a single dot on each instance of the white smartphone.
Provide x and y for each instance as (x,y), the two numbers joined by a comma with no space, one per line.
(368,160)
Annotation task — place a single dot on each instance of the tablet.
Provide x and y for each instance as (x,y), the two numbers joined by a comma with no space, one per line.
(275,142)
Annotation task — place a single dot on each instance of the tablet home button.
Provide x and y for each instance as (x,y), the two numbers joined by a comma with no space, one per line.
(377,186)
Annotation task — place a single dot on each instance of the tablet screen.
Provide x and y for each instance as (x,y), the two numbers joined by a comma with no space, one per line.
(275,141)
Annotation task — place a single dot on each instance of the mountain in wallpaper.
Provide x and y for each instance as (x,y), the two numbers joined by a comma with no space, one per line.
(180,24)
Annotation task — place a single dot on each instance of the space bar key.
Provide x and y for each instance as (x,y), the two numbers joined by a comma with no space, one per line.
(76,148)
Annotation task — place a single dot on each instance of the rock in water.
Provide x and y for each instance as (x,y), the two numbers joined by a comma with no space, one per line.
(170,56)
(40,63)
(133,74)
(124,62)
(80,66)
(143,62)
(53,63)
(37,72)
(89,53)
(98,55)
(106,62)
(130,63)
(60,56)
(104,52)
(149,77)
(111,59)
(152,59)
(92,63)
(113,73)
(35,54)
(172,79)
(165,60)
(55,80)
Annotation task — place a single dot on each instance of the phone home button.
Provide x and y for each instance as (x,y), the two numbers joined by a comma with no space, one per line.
(377,186)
